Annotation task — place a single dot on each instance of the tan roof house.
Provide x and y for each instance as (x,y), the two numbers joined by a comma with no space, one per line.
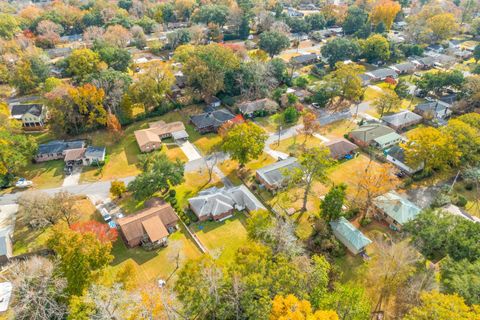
(151,139)
(150,225)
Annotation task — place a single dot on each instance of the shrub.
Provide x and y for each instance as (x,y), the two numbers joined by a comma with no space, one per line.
(172,193)
(349,214)
(365,221)
(460,200)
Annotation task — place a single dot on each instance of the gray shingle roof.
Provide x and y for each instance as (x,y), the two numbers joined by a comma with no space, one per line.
(58,146)
(369,132)
(304,58)
(401,118)
(273,173)
(249,107)
(215,118)
(216,201)
(404,67)
(21,109)
(95,152)
(383,73)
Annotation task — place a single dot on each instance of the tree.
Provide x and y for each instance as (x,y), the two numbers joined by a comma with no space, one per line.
(355,20)
(310,125)
(49,34)
(116,58)
(473,119)
(139,40)
(8,26)
(475,26)
(349,301)
(430,147)
(437,234)
(17,149)
(385,12)
(29,72)
(79,256)
(290,307)
(443,26)
(461,277)
(313,165)
(38,292)
(331,207)
(372,183)
(386,102)
(466,138)
(437,82)
(244,142)
(290,115)
(105,302)
(152,86)
(276,233)
(402,89)
(435,305)
(82,63)
(178,37)
(159,174)
(207,66)
(316,21)
(340,49)
(42,210)
(114,84)
(375,48)
(102,231)
(391,269)
(273,42)
(211,13)
(114,126)
(117,35)
(345,82)
(117,188)
(476,53)
(244,28)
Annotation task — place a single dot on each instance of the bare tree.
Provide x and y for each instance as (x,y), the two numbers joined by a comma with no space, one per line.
(392,266)
(41,210)
(35,207)
(37,292)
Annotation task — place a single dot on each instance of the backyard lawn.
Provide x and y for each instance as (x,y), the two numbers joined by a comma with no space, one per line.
(222,239)
(156,264)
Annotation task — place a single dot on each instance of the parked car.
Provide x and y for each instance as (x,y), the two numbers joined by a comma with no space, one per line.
(23,183)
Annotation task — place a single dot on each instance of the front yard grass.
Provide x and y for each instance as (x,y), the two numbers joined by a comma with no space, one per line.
(123,153)
(156,264)
(223,239)
(44,175)
(294,145)
(338,129)
(195,181)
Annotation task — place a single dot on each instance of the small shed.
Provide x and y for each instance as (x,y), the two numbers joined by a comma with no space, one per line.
(351,237)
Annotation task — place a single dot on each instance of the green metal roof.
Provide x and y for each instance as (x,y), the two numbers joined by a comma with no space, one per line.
(397,207)
(392,136)
(350,236)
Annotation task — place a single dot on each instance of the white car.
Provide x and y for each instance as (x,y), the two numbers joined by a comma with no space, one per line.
(23,183)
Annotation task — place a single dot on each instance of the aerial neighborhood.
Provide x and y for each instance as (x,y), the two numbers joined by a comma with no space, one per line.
(240,159)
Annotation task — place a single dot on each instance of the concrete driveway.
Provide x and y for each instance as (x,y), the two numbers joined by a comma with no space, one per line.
(74,178)
(190,151)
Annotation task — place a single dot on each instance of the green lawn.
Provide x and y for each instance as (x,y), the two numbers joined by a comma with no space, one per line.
(122,154)
(156,264)
(44,175)
(223,239)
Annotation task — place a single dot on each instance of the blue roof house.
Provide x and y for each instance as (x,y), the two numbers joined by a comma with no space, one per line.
(351,237)
(395,209)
